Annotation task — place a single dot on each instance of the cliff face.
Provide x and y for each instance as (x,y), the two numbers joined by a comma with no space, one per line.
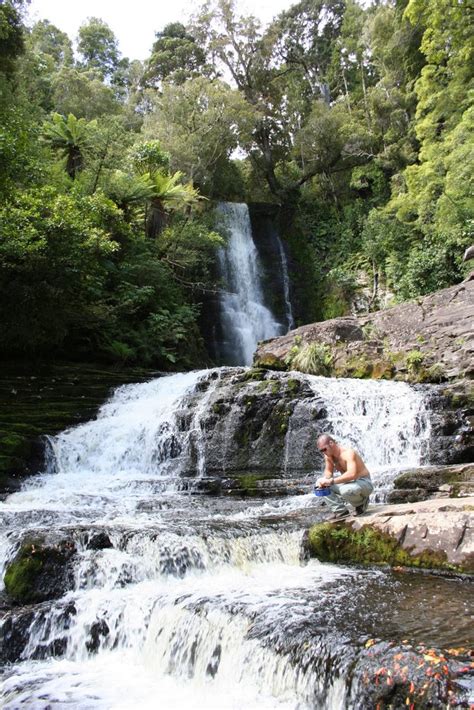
(427,340)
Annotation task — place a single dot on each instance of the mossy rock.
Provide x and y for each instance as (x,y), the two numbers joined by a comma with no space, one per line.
(293,386)
(40,572)
(269,362)
(338,542)
(247,483)
(255,373)
(56,396)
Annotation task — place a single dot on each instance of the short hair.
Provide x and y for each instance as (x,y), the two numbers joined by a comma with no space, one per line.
(325,439)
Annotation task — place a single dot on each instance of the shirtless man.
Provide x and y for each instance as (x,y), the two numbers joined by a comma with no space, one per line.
(352,486)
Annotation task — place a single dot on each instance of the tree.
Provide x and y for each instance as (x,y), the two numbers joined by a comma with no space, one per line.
(175,58)
(68,135)
(45,38)
(167,194)
(82,93)
(11,35)
(53,257)
(98,47)
(279,74)
(304,39)
(200,123)
(127,190)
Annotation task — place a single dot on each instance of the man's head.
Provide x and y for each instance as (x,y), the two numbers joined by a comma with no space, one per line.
(326,444)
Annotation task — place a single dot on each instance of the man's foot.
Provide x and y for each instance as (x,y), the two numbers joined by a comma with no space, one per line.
(339,516)
(360,509)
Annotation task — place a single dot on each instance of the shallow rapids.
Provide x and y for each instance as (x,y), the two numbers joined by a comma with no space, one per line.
(179,600)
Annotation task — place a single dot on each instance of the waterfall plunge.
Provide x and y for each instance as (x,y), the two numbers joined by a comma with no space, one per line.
(245,318)
(190,605)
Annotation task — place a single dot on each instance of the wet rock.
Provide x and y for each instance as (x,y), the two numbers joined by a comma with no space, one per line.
(19,626)
(390,676)
(245,426)
(434,534)
(98,631)
(452,423)
(99,541)
(433,482)
(265,423)
(56,397)
(40,571)
(427,340)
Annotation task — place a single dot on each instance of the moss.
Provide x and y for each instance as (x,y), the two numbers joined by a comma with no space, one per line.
(269,362)
(39,572)
(248,483)
(55,397)
(293,386)
(461,398)
(275,386)
(383,370)
(255,373)
(357,366)
(338,542)
(20,578)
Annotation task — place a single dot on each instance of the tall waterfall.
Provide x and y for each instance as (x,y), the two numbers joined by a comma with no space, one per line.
(286,285)
(245,317)
(192,601)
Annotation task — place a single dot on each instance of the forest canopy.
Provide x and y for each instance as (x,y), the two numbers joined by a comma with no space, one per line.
(355,121)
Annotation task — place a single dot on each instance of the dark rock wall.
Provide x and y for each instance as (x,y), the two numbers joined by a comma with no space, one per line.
(265,231)
(265,422)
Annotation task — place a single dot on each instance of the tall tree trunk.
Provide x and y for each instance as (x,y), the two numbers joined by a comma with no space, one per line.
(156,220)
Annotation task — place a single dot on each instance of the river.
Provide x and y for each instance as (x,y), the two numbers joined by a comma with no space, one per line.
(193,601)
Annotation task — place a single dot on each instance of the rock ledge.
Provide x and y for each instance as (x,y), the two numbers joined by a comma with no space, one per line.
(432,534)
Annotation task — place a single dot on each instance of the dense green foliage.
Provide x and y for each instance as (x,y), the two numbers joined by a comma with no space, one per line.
(357,120)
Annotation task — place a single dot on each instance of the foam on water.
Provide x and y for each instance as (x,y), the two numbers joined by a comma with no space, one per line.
(193,602)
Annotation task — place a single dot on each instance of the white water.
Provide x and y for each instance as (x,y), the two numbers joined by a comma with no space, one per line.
(386,422)
(198,596)
(245,317)
(286,286)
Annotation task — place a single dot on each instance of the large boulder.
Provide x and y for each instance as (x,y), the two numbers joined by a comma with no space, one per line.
(433,482)
(427,340)
(261,425)
(434,534)
(40,571)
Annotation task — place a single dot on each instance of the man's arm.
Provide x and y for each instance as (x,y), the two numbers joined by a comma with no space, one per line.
(327,479)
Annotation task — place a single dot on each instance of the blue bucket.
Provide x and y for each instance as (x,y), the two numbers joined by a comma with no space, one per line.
(322,492)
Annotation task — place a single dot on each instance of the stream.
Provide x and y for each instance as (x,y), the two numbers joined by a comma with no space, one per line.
(182,600)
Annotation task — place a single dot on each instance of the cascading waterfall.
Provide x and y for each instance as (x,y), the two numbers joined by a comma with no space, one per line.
(195,601)
(386,422)
(286,286)
(245,317)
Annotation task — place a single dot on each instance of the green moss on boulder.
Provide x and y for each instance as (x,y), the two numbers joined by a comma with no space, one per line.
(271,362)
(338,542)
(39,572)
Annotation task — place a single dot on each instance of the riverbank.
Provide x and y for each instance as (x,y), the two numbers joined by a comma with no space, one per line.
(435,534)
(426,340)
